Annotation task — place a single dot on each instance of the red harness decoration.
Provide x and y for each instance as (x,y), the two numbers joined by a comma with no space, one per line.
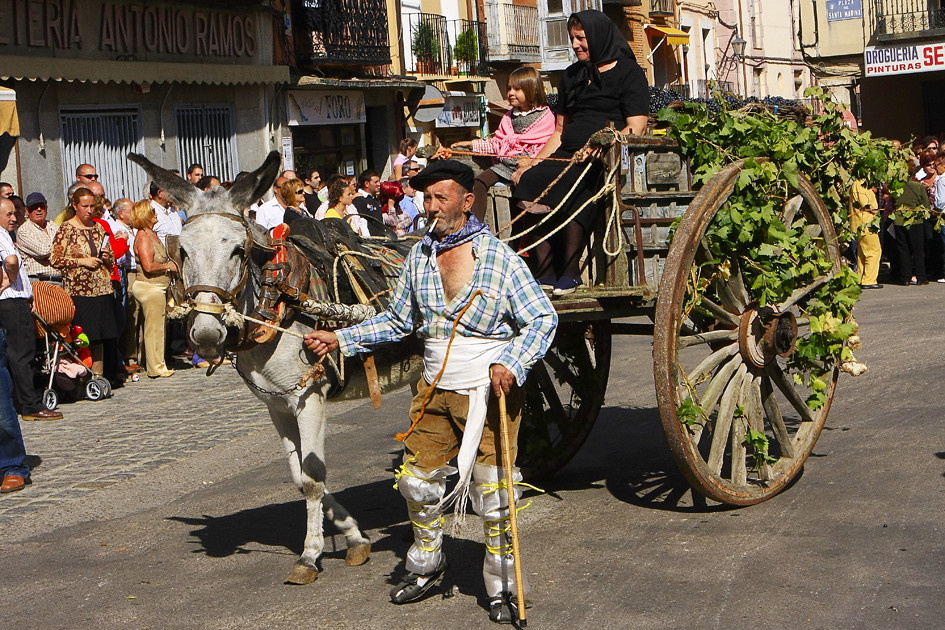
(271,307)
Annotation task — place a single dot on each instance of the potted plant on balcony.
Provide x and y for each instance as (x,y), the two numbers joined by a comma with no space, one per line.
(466,51)
(426,48)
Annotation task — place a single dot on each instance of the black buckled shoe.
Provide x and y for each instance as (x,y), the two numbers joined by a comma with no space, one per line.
(413,586)
(504,608)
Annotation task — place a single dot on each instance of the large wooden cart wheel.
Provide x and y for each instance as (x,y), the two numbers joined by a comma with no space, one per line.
(563,395)
(728,357)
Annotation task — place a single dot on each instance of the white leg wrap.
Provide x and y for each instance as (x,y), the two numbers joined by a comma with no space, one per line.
(423,492)
(490,501)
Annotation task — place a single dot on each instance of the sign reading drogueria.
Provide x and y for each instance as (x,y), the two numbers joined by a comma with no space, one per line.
(905,59)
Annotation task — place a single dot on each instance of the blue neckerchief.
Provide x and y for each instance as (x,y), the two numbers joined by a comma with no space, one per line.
(465,234)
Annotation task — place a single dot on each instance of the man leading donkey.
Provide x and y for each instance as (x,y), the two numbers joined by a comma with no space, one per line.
(468,295)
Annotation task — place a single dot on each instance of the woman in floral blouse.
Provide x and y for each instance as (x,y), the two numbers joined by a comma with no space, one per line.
(81,252)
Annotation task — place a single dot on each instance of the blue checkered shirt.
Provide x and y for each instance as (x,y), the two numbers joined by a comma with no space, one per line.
(511,307)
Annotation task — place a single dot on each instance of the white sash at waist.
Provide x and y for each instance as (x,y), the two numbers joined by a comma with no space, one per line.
(469,361)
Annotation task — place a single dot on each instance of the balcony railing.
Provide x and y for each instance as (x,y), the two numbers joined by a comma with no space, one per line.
(900,17)
(661,8)
(513,32)
(427,46)
(704,88)
(341,31)
(470,48)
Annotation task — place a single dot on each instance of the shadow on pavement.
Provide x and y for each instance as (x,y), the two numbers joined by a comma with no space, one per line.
(627,450)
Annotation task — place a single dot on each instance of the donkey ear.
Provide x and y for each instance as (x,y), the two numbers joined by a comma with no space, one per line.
(181,192)
(250,187)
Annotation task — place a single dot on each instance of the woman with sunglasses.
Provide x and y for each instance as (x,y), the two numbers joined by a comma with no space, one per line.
(293,194)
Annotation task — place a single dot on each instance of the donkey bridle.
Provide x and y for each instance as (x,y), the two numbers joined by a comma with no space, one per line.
(226,297)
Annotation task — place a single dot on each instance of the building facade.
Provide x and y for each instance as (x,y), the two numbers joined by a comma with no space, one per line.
(178,82)
(884,57)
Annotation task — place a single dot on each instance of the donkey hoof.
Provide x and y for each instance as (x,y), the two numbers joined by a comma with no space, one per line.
(302,574)
(358,554)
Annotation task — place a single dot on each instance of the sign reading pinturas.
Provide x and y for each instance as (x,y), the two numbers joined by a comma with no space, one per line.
(904,59)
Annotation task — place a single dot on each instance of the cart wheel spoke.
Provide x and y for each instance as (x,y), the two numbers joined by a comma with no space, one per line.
(713,336)
(718,312)
(723,423)
(713,361)
(717,385)
(790,209)
(558,366)
(803,292)
(788,389)
(773,413)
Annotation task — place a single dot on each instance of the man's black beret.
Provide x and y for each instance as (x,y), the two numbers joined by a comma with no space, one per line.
(439,170)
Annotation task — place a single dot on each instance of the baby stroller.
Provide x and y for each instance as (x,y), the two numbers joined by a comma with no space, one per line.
(62,355)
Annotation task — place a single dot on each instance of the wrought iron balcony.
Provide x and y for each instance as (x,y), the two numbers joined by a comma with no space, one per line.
(661,8)
(470,48)
(898,18)
(704,88)
(427,47)
(350,32)
(513,32)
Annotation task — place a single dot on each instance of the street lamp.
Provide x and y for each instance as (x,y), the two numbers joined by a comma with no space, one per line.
(738,45)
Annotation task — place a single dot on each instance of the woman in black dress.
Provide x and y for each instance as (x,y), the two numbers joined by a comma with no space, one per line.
(605,84)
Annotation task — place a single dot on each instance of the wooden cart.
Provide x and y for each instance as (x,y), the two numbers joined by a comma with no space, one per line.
(727,354)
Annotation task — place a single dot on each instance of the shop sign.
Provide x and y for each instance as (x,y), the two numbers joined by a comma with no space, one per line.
(905,59)
(288,156)
(844,10)
(120,29)
(315,107)
(459,111)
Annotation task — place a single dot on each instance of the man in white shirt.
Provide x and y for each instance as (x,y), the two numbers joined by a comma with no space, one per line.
(16,297)
(271,213)
(34,240)
(168,221)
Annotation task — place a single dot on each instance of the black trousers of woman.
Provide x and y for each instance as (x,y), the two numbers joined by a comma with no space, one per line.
(910,251)
(558,256)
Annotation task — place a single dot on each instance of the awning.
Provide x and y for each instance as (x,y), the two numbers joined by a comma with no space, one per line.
(89,70)
(9,121)
(674,36)
(360,83)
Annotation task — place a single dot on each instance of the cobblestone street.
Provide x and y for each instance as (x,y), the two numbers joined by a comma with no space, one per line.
(138,429)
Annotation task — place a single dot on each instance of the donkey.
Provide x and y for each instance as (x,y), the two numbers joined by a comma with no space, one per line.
(220,264)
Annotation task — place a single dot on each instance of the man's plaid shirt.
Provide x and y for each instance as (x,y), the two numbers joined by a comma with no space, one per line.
(511,307)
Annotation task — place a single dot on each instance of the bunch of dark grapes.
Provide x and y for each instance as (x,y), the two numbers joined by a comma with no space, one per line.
(660,98)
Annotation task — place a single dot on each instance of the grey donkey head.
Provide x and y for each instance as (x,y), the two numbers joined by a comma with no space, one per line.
(248,188)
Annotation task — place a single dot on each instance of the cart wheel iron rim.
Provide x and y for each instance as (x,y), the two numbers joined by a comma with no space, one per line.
(743,352)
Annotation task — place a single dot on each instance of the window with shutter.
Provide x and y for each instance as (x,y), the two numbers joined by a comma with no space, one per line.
(103,137)
(206,135)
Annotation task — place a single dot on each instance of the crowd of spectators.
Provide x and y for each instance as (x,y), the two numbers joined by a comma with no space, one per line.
(905,230)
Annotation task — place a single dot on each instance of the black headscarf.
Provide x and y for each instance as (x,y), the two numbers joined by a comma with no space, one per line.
(605,43)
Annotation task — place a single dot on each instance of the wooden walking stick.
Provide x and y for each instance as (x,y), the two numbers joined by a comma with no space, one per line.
(513,515)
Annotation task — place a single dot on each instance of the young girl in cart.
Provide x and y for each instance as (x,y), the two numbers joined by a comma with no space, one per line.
(523,131)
